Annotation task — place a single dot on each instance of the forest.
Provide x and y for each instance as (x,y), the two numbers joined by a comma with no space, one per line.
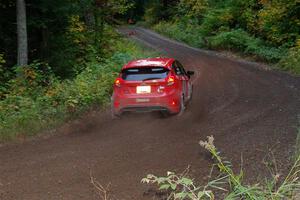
(264,30)
(73,53)
(59,58)
(237,137)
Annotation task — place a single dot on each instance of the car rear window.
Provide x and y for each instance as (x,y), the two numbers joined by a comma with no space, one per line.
(144,73)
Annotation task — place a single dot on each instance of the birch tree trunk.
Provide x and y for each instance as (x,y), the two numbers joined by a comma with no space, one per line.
(22,33)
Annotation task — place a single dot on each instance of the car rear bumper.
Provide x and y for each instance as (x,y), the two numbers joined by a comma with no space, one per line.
(144,109)
(169,103)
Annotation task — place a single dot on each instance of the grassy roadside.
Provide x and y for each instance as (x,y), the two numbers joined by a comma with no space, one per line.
(227,184)
(38,100)
(297,148)
(237,41)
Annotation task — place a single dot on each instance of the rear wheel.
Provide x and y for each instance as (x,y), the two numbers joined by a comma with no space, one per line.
(114,114)
(165,114)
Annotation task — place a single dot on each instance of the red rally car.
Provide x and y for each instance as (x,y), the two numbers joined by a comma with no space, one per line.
(154,84)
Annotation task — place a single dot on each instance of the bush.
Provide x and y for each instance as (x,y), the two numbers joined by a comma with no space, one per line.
(181,31)
(192,8)
(266,53)
(240,40)
(3,76)
(38,100)
(291,62)
(229,183)
(216,20)
(153,12)
(232,40)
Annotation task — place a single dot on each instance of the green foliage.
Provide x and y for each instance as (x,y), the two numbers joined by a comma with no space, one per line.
(233,40)
(36,99)
(265,30)
(4,74)
(291,62)
(78,48)
(298,139)
(181,186)
(175,30)
(153,12)
(157,10)
(216,20)
(279,21)
(192,8)
(239,40)
(65,34)
(229,183)
(2,61)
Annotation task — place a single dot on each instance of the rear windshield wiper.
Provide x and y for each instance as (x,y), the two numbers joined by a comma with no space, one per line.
(147,79)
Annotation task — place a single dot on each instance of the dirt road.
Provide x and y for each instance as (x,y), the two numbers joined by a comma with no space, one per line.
(249,110)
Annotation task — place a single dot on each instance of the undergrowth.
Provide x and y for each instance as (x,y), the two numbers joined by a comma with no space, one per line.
(229,183)
(235,40)
(36,99)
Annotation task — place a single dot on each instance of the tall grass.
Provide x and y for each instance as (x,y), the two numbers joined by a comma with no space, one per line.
(229,183)
(297,152)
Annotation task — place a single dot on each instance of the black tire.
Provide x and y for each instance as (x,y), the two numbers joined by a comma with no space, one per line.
(190,98)
(165,114)
(182,106)
(114,114)
(192,91)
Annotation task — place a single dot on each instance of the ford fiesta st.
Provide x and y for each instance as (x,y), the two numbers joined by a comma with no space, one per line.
(154,84)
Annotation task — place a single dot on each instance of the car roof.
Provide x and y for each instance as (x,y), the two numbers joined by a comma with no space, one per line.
(150,62)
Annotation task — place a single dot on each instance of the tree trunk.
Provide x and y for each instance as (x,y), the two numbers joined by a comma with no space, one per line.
(89,18)
(44,52)
(99,26)
(22,33)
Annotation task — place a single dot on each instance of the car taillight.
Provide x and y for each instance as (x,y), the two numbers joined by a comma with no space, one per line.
(160,89)
(170,80)
(118,82)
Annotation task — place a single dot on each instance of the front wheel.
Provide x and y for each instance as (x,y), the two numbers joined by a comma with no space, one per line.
(182,106)
(191,93)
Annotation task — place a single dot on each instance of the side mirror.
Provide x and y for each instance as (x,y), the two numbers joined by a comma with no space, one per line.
(190,73)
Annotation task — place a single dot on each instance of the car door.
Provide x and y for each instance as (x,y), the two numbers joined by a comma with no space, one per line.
(179,70)
(186,82)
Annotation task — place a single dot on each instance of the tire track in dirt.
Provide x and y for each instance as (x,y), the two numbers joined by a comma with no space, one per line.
(248,110)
